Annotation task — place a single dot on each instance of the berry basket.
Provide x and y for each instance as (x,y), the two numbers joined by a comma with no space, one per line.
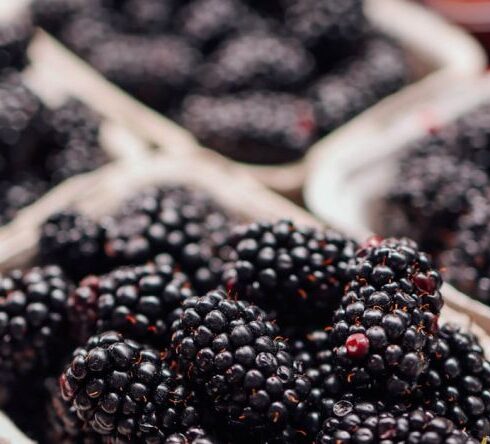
(439,53)
(348,186)
(236,192)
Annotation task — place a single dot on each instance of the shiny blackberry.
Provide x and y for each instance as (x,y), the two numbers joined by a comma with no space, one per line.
(457,384)
(156,70)
(429,196)
(33,319)
(253,127)
(231,352)
(136,301)
(466,262)
(125,392)
(378,69)
(330,28)
(73,130)
(74,241)
(206,23)
(299,273)
(15,35)
(388,316)
(256,60)
(363,424)
(181,222)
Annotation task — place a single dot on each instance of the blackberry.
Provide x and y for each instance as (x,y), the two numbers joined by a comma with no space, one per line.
(136,301)
(467,261)
(298,272)
(331,29)
(33,316)
(63,424)
(254,127)
(17,193)
(15,36)
(377,70)
(20,112)
(257,60)
(156,70)
(457,384)
(430,195)
(181,222)
(74,241)
(73,129)
(125,392)
(231,351)
(206,23)
(388,316)
(362,424)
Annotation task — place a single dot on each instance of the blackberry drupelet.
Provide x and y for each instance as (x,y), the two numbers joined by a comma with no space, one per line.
(20,112)
(156,70)
(184,223)
(378,69)
(73,130)
(467,260)
(300,273)
(361,423)
(430,195)
(457,384)
(231,351)
(15,35)
(256,60)
(388,316)
(135,301)
(194,435)
(33,318)
(206,23)
(148,16)
(330,28)
(74,241)
(125,392)
(254,127)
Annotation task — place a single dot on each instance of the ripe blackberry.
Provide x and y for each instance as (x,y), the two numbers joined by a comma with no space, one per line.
(230,351)
(33,317)
(15,36)
(182,222)
(74,241)
(256,60)
(388,316)
(136,301)
(125,392)
(331,29)
(297,272)
(457,384)
(20,112)
(206,23)
(17,193)
(377,70)
(156,70)
(73,130)
(430,195)
(362,424)
(467,261)
(254,127)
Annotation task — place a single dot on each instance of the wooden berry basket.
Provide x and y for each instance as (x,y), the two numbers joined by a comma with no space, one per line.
(352,177)
(229,186)
(441,55)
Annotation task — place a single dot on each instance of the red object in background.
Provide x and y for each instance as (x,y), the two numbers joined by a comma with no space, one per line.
(474,15)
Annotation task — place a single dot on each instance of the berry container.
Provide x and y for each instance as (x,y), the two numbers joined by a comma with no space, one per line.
(236,191)
(351,178)
(440,54)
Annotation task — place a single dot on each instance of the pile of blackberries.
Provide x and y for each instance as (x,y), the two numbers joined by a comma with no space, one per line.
(441,199)
(183,326)
(257,82)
